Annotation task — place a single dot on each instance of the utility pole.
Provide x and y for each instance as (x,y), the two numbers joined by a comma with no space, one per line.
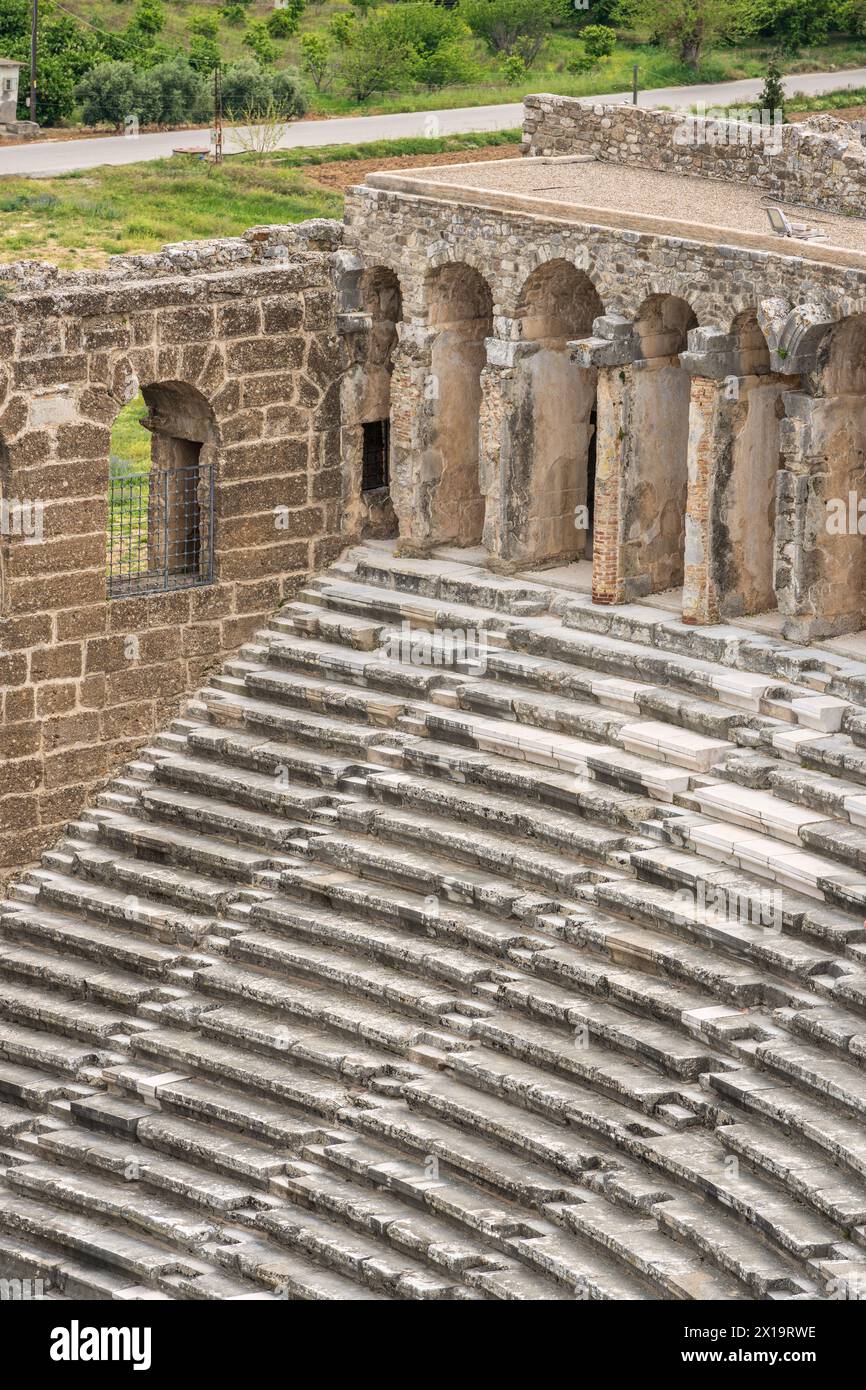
(217,137)
(34,21)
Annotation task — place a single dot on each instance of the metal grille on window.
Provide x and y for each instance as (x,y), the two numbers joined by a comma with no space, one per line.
(160,526)
(376,455)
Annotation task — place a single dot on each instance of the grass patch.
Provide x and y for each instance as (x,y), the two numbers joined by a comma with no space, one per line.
(78,219)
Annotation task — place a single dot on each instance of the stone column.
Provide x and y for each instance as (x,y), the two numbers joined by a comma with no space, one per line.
(534,442)
(413,473)
(715,387)
(733,460)
(820,560)
(612,351)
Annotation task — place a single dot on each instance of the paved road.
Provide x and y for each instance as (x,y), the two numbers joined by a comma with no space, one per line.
(58,156)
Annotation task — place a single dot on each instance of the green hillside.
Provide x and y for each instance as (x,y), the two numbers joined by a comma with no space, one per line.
(407,56)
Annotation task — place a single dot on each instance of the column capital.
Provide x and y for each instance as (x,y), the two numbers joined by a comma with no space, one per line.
(711,353)
(614,342)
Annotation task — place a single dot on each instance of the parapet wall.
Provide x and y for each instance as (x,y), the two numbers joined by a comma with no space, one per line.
(243,329)
(820,162)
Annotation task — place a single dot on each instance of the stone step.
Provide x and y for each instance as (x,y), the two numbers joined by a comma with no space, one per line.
(55,972)
(809,1178)
(757,943)
(651,1252)
(201,1184)
(136,915)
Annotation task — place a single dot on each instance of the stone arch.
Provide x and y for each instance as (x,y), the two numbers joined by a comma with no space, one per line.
(538,422)
(366,403)
(657,475)
(459,310)
(161,515)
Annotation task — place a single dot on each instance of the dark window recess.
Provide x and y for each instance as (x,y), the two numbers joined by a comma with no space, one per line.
(376,456)
(590,476)
(160,532)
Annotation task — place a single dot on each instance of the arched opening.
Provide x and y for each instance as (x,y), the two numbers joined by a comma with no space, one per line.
(655,501)
(460,314)
(161,492)
(551,438)
(367,401)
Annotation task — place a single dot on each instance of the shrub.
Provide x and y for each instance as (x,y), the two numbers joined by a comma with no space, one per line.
(598,40)
(234,15)
(513,69)
(249,91)
(207,25)
(281,24)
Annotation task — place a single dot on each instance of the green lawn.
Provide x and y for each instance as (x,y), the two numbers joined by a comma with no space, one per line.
(77,219)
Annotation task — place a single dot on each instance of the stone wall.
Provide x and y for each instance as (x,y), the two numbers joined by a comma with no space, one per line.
(820,162)
(704,360)
(243,327)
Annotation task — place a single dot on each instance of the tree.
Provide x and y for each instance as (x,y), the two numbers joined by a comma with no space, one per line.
(259,40)
(794,24)
(317,59)
(772,96)
(109,93)
(234,15)
(207,25)
(249,90)
(204,53)
(511,26)
(435,40)
(374,60)
(687,26)
(148,19)
(183,94)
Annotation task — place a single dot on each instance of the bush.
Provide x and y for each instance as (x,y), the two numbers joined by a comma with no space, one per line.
(248,89)
(287,96)
(580,64)
(204,24)
(148,19)
(598,40)
(234,15)
(513,69)
(183,93)
(281,24)
(168,94)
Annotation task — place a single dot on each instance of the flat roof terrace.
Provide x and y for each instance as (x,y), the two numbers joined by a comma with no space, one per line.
(581,188)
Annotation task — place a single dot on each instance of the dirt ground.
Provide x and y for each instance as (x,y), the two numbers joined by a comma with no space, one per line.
(845,113)
(341,174)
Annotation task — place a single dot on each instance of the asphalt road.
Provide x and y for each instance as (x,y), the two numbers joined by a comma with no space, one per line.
(59,156)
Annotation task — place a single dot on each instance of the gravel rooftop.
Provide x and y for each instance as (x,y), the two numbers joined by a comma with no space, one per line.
(595,184)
